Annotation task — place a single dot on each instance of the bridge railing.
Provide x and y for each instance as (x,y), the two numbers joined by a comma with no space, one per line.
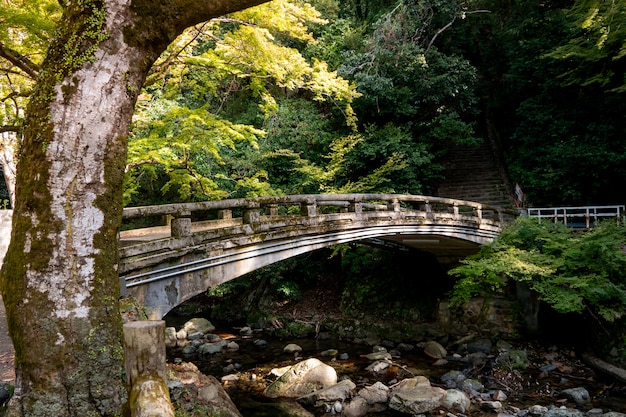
(253,210)
(578,217)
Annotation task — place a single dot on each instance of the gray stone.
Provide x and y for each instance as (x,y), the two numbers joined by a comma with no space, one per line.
(472,386)
(563,412)
(491,405)
(211,348)
(415,396)
(579,395)
(376,356)
(189,350)
(378,366)
(302,379)
(338,392)
(456,401)
(376,393)
(170,337)
(195,335)
(198,324)
(453,379)
(291,348)
(434,350)
(537,410)
(232,346)
(358,407)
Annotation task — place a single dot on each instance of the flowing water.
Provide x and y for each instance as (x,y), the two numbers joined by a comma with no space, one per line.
(252,364)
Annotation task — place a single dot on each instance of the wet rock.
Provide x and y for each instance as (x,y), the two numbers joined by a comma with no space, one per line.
(405,347)
(211,348)
(338,392)
(343,357)
(376,393)
(260,342)
(491,405)
(456,401)
(330,353)
(246,331)
(302,379)
(170,337)
(415,396)
(434,350)
(189,389)
(537,410)
(453,379)
(198,324)
(499,395)
(614,414)
(189,350)
(378,366)
(292,348)
(181,334)
(358,407)
(563,412)
(579,395)
(376,356)
(476,359)
(232,346)
(472,386)
(195,335)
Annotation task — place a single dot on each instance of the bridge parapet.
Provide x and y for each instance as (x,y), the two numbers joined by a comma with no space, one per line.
(207,243)
(257,210)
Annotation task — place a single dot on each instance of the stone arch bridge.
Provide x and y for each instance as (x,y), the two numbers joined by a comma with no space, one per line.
(208,243)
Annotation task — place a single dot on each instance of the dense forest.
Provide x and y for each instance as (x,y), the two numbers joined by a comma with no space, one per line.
(365,96)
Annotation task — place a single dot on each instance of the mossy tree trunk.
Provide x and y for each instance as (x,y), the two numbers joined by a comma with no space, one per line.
(59,280)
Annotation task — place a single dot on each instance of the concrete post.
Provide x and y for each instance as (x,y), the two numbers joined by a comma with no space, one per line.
(308,208)
(252,214)
(225,214)
(146,375)
(181,224)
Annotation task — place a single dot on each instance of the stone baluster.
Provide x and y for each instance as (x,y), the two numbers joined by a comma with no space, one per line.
(394,205)
(308,208)
(225,214)
(272,209)
(252,213)
(429,210)
(181,224)
(355,207)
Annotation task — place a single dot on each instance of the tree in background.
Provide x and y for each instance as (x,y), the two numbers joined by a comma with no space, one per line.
(571,271)
(551,87)
(220,86)
(59,278)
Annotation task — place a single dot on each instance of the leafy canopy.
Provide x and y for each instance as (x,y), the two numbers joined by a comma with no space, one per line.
(185,124)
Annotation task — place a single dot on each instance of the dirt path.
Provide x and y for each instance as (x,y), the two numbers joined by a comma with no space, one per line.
(7,371)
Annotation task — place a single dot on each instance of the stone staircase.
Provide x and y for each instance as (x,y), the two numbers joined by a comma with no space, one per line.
(475,173)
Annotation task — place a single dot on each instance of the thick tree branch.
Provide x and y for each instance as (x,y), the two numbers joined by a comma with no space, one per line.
(19,61)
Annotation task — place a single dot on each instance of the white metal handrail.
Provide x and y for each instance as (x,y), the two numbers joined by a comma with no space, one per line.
(591,214)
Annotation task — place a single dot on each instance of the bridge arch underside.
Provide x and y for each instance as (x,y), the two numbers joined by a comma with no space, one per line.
(163,287)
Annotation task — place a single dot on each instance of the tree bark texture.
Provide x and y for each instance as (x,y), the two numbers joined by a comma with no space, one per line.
(59,280)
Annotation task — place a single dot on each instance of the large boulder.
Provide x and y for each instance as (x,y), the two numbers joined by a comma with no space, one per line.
(302,379)
(415,396)
(198,324)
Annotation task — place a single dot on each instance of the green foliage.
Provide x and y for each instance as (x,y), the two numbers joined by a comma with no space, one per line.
(572,271)
(223,85)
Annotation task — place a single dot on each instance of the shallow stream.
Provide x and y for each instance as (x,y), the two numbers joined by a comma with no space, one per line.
(252,363)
